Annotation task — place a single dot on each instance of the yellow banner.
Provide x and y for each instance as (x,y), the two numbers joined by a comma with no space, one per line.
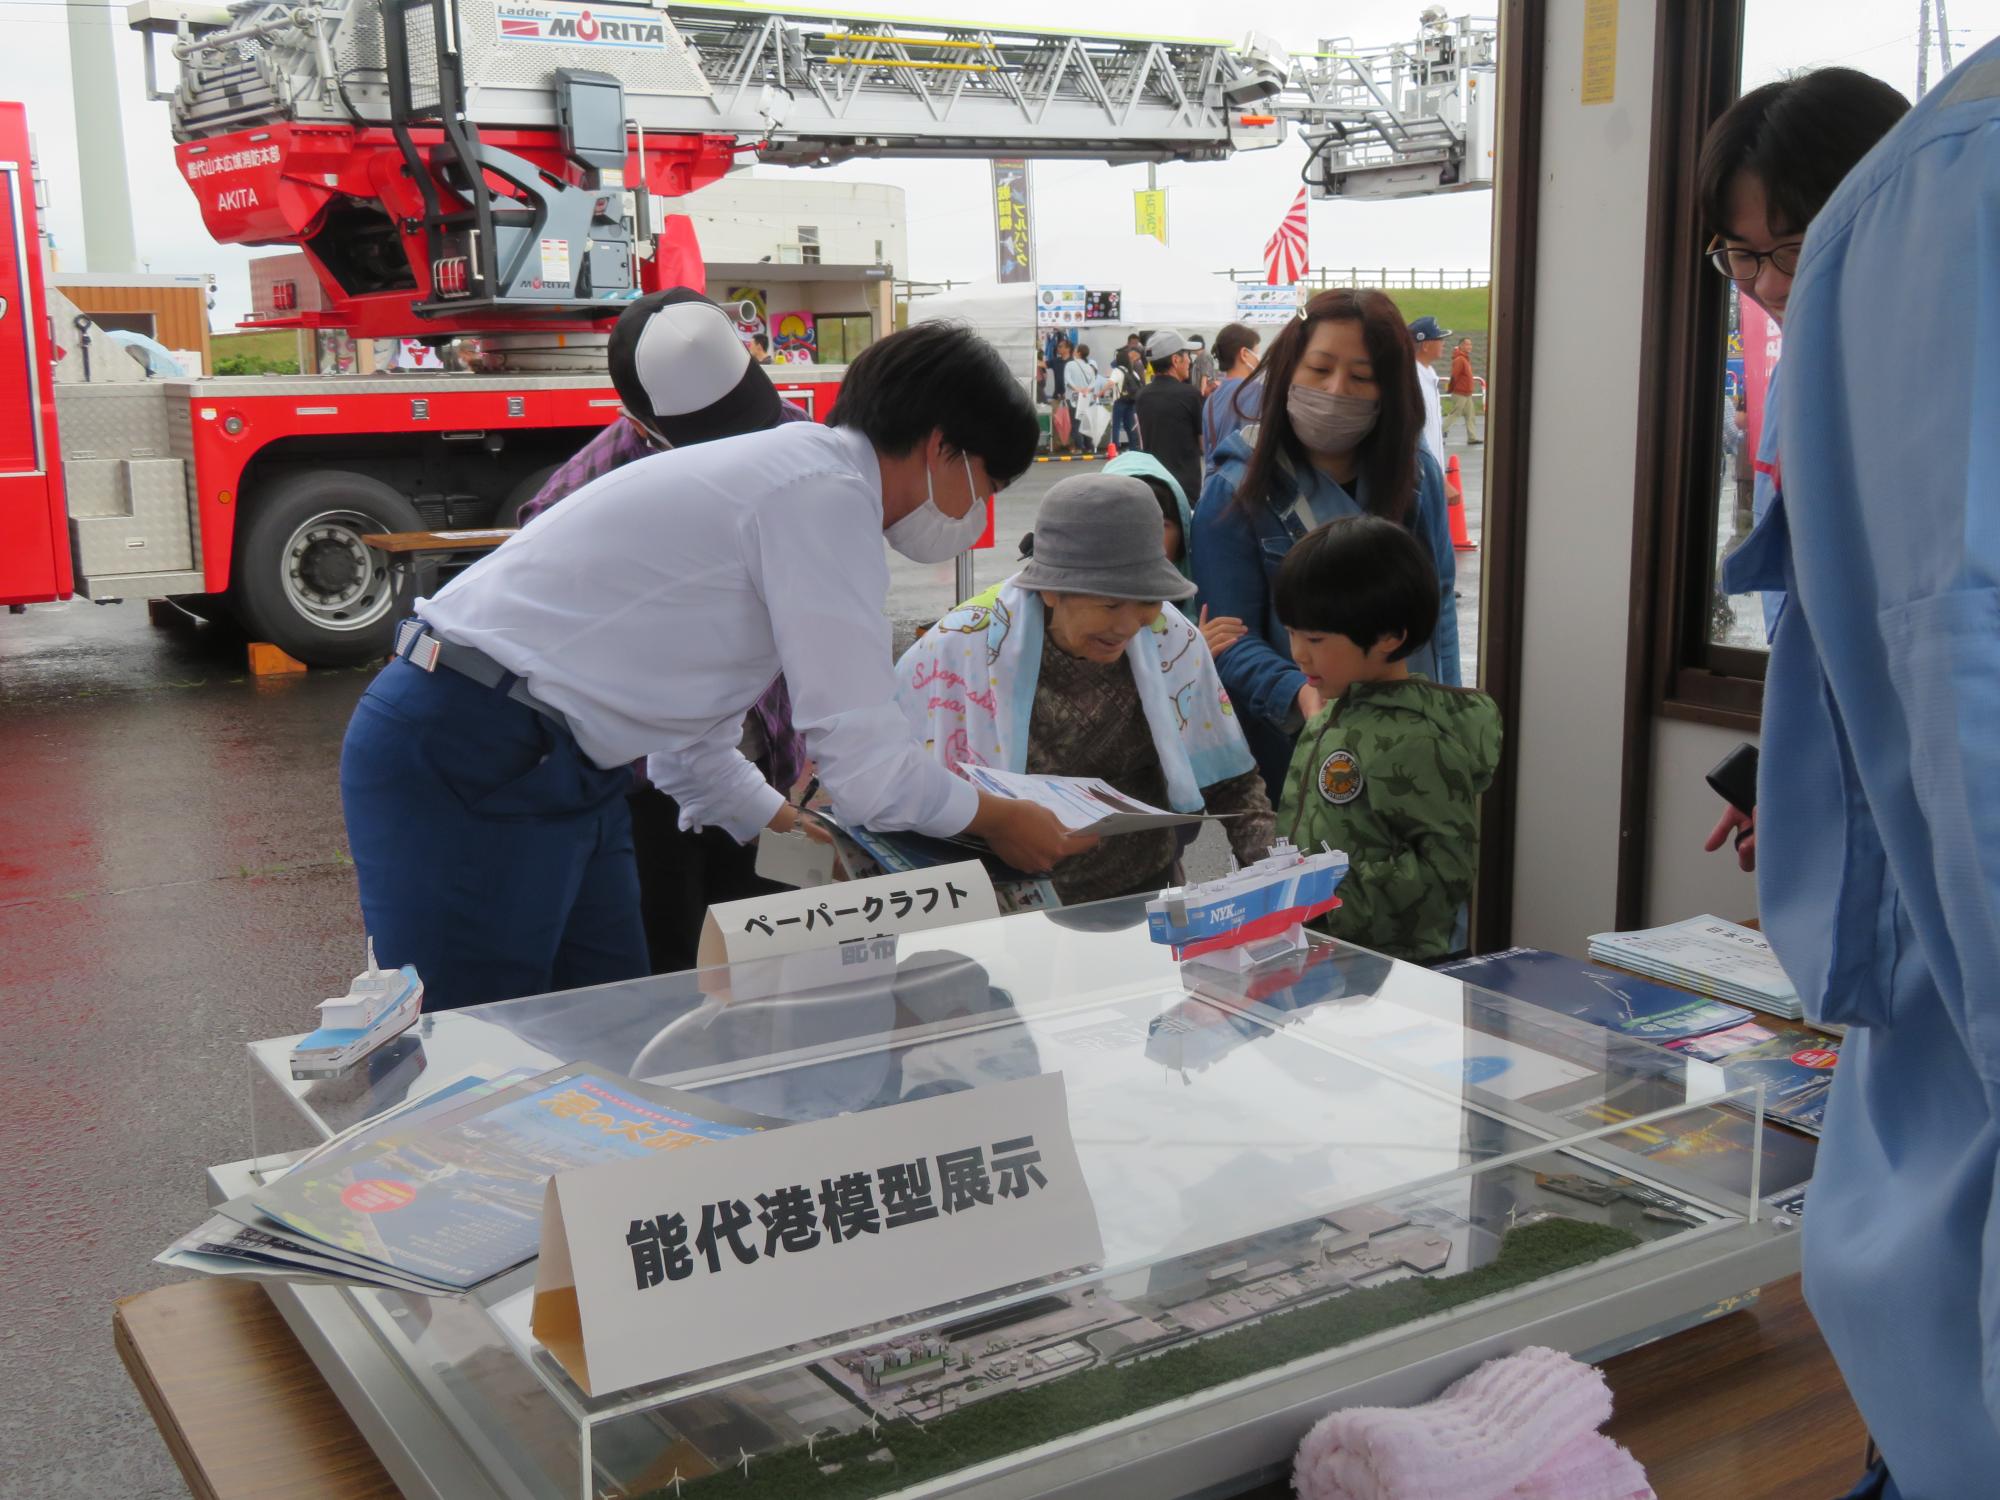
(1149,213)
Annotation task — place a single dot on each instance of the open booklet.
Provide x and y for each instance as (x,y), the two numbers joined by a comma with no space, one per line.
(1085,804)
(448,1193)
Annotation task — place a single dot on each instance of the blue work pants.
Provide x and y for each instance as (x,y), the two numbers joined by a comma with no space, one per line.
(492,853)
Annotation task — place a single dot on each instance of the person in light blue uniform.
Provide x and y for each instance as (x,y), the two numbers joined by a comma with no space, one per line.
(1767,167)
(1879,798)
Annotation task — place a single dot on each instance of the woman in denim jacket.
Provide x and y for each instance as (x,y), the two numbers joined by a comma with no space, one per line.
(1347,439)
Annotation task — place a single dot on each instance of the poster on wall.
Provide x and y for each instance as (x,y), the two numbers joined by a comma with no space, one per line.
(1013,237)
(794,338)
(746,306)
(1103,306)
(1059,306)
(1267,304)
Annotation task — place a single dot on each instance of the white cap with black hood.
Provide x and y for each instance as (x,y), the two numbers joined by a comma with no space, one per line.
(682,373)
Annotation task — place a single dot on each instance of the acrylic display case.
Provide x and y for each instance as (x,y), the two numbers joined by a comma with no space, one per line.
(1330,1180)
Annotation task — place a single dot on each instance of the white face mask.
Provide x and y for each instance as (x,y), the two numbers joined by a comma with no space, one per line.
(928,535)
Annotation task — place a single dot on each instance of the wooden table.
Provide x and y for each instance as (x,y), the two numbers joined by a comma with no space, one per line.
(406,550)
(1748,1407)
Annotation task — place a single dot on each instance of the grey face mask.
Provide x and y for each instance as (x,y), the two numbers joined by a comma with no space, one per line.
(1327,423)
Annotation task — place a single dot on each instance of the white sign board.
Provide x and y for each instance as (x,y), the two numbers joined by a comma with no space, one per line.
(851,911)
(1267,304)
(651,1269)
(1059,306)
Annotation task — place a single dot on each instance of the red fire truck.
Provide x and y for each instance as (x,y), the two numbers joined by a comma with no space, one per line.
(491,170)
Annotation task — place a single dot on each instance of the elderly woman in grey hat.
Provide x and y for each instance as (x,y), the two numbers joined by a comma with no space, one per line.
(1079,665)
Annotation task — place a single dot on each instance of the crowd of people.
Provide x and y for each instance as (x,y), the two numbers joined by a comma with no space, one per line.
(639,779)
(1252,612)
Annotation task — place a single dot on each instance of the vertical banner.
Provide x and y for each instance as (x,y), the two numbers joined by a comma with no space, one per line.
(1149,213)
(1013,230)
(1762,340)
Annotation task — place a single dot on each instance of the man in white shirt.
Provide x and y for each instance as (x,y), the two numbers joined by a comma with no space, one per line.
(484,773)
(1429,339)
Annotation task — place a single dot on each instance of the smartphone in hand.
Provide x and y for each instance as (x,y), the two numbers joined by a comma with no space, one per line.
(1735,778)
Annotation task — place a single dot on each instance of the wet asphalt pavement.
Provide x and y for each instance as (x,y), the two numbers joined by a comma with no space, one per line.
(174,882)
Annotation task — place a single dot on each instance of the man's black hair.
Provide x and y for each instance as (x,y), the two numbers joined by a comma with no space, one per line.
(1166,366)
(1798,137)
(758,338)
(940,376)
(1363,577)
(1232,341)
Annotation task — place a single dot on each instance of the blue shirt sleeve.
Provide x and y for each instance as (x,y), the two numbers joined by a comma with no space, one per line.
(1229,571)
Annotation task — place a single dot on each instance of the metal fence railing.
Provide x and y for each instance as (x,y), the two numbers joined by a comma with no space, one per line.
(1381,278)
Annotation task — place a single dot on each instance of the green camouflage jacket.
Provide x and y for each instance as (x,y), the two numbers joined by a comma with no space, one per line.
(1389,772)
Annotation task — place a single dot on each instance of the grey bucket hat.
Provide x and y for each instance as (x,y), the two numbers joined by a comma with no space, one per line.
(1099,534)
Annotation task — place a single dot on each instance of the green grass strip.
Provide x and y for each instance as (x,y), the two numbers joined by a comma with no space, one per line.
(1001,1425)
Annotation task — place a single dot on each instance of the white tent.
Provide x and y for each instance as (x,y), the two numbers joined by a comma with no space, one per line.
(1002,315)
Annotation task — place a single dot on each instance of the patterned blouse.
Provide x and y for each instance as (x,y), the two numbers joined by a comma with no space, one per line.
(1088,721)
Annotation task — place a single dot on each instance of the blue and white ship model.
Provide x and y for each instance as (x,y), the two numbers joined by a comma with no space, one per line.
(378,1005)
(1255,913)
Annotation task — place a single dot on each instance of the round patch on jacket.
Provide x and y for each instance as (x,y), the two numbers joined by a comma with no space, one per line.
(1340,778)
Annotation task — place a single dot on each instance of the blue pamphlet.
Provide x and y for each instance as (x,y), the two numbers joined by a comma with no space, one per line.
(1618,1002)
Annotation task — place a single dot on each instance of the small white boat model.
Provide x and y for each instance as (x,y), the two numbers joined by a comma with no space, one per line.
(378,1005)
(1270,900)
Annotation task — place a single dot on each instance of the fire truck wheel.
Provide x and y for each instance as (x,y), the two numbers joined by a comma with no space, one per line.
(304,579)
(509,511)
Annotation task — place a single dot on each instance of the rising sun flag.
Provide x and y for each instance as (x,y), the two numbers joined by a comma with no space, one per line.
(1286,251)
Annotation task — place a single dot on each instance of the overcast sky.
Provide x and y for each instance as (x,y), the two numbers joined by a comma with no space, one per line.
(1220,214)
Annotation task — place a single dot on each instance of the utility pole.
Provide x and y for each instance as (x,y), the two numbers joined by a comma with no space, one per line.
(1944,38)
(108,243)
(1923,46)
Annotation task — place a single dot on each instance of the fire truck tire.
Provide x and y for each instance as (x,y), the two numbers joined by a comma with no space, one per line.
(509,511)
(306,582)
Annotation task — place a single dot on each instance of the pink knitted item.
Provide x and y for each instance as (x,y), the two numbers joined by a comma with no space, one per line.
(1591,1467)
(1485,1436)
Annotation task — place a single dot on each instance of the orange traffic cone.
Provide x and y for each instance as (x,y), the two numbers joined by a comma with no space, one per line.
(1454,488)
(1110,450)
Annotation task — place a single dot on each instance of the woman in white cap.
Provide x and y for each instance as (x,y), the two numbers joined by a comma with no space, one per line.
(483,775)
(1077,666)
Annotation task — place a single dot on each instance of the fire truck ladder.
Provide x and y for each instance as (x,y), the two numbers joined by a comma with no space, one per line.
(1398,120)
(487,254)
(470,90)
(815,88)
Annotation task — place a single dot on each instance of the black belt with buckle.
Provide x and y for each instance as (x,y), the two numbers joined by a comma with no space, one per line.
(421,648)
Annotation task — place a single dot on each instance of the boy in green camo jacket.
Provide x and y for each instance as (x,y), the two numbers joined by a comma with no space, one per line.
(1388,769)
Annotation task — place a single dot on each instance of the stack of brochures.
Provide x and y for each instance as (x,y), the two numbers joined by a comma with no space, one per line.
(447,1192)
(1707,955)
(1794,1064)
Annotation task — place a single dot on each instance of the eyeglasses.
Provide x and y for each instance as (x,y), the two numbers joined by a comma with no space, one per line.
(1743,265)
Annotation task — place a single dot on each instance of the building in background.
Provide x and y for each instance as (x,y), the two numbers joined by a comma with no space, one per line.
(813,263)
(170,309)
